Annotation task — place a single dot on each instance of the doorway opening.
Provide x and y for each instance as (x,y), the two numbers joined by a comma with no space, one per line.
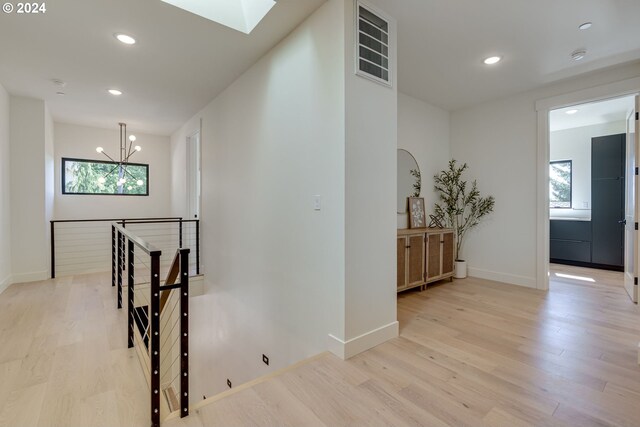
(592,193)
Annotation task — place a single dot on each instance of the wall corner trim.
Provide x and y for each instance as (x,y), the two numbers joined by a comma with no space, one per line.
(347,349)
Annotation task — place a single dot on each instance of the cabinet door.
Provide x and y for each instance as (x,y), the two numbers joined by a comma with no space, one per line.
(447,252)
(607,213)
(433,256)
(402,262)
(415,260)
(607,199)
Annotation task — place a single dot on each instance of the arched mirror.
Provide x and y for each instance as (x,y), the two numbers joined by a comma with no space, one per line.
(409,180)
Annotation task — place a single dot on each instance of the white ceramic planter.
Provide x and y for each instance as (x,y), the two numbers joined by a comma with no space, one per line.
(460,270)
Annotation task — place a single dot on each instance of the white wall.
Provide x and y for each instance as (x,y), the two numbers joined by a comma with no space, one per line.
(575,144)
(423,130)
(499,141)
(370,202)
(81,142)
(274,267)
(29,246)
(5,191)
(49,174)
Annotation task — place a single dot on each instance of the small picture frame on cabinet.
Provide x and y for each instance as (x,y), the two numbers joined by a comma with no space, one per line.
(417,217)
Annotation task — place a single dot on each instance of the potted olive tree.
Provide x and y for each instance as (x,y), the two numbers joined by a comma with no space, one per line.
(460,207)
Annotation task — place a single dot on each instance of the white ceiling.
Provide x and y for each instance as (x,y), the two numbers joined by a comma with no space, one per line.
(242,15)
(182,61)
(179,64)
(611,110)
(442,44)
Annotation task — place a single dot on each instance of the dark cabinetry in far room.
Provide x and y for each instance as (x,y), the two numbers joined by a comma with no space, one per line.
(600,242)
(570,241)
(607,200)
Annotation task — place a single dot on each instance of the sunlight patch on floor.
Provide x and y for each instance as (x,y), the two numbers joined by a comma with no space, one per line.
(570,276)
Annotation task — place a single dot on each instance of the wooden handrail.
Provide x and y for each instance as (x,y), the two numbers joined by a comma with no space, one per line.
(141,243)
(172,276)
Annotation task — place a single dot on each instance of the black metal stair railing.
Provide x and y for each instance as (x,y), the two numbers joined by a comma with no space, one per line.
(81,246)
(157,318)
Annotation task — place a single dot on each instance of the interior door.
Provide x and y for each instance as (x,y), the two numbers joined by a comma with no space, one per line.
(631,252)
(193,176)
(193,172)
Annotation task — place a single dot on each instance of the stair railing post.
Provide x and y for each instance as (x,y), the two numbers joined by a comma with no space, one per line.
(130,290)
(53,250)
(184,332)
(154,339)
(180,239)
(120,266)
(123,255)
(197,246)
(114,254)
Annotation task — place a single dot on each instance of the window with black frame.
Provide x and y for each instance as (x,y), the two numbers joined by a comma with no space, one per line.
(96,177)
(560,174)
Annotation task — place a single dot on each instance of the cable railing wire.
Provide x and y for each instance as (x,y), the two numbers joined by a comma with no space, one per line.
(82,245)
(157,305)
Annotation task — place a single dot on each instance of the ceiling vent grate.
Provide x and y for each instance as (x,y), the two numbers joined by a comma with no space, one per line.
(372,45)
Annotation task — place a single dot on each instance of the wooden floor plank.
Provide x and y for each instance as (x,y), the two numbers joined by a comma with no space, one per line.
(475,352)
(471,352)
(61,338)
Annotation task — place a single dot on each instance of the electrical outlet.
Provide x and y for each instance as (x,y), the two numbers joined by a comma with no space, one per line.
(265,359)
(229,382)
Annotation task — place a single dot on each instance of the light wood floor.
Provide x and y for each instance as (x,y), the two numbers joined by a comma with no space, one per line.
(471,353)
(64,359)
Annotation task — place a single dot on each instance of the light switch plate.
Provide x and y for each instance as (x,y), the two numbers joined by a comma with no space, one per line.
(317,202)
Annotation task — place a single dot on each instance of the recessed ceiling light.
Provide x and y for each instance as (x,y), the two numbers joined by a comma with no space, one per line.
(578,54)
(571,112)
(125,38)
(115,92)
(585,26)
(492,60)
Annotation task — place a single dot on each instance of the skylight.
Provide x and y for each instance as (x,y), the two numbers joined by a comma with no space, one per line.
(241,15)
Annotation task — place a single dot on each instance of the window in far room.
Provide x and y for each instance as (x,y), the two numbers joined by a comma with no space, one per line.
(96,177)
(560,184)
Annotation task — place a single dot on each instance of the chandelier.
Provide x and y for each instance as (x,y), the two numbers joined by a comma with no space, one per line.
(121,165)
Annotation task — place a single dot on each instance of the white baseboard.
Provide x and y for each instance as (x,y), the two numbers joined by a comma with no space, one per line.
(349,348)
(30,277)
(5,283)
(512,279)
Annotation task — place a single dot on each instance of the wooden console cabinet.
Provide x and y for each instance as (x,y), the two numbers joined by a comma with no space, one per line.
(425,255)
